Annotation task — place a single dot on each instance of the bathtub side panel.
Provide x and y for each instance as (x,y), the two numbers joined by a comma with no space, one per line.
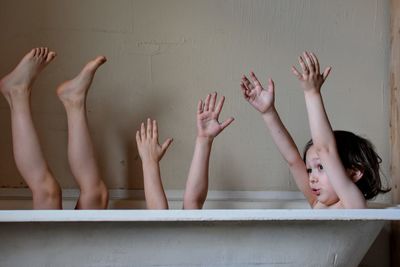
(268,243)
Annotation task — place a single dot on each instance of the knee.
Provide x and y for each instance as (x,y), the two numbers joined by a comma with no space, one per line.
(47,195)
(193,202)
(102,195)
(94,198)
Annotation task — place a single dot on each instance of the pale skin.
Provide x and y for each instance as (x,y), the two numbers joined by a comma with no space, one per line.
(325,152)
(208,127)
(263,101)
(311,179)
(151,153)
(28,155)
(81,153)
(16,88)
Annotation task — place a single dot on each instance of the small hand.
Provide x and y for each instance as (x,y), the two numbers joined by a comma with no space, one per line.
(311,79)
(262,100)
(147,142)
(207,117)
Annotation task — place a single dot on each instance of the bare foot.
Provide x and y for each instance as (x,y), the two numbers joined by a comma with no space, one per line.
(20,80)
(74,91)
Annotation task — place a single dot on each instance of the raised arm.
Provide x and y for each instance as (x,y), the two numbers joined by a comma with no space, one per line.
(321,131)
(151,152)
(208,128)
(263,101)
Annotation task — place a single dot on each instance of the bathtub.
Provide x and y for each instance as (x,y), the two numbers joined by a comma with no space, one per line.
(189,238)
(210,237)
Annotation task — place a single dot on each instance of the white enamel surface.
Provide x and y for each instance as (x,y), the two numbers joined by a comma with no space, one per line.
(201,242)
(214,237)
(197,215)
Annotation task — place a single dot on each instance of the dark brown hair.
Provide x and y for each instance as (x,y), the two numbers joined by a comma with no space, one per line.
(358,153)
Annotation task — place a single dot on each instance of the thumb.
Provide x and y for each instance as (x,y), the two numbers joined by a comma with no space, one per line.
(227,122)
(271,85)
(166,144)
(326,72)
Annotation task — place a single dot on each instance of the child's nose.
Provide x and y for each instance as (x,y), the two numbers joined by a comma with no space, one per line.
(313,178)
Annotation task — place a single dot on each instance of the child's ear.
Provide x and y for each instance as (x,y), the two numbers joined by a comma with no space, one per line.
(355,174)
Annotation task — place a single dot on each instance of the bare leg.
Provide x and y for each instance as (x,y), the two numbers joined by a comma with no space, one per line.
(81,154)
(16,88)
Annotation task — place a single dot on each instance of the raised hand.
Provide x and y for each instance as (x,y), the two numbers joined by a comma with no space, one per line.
(208,113)
(261,99)
(147,142)
(311,79)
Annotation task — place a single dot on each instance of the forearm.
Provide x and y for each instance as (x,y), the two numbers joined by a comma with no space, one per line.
(321,130)
(153,188)
(197,182)
(345,188)
(289,151)
(281,137)
(325,143)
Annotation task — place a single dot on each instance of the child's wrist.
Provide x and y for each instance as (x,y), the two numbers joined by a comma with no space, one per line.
(150,161)
(269,111)
(204,139)
(312,92)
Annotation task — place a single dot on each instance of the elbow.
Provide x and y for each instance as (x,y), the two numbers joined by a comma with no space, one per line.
(296,162)
(292,163)
(323,150)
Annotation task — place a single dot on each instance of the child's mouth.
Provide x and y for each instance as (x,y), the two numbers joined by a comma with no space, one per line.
(316,191)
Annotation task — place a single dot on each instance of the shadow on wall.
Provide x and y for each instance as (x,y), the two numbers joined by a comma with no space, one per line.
(120,144)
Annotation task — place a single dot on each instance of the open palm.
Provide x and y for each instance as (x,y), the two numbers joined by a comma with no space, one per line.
(147,142)
(207,117)
(310,77)
(261,99)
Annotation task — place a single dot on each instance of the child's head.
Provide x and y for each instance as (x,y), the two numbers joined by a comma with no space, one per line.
(360,160)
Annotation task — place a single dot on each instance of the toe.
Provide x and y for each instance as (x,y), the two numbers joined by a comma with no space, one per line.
(50,56)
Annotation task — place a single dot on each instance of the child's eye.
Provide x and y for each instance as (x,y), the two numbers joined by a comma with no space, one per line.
(320,167)
(309,170)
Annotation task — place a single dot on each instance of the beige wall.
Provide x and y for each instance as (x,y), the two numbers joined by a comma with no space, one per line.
(165,55)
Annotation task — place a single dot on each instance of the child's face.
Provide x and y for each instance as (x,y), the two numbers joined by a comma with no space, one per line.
(318,179)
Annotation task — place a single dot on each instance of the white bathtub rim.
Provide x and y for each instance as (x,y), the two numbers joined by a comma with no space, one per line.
(198,215)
